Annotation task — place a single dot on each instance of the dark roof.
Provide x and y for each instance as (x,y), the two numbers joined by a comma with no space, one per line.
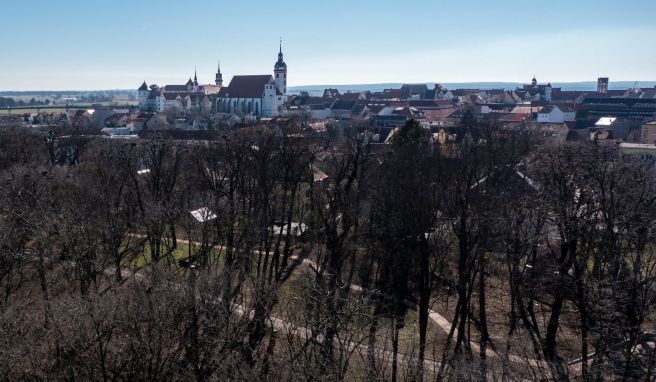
(415,87)
(175,88)
(172,96)
(464,92)
(349,96)
(430,103)
(330,92)
(307,100)
(246,86)
(344,105)
(143,86)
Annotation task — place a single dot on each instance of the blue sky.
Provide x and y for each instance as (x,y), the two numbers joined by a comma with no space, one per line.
(88,44)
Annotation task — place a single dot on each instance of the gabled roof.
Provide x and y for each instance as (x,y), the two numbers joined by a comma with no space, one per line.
(549,108)
(414,87)
(344,105)
(143,86)
(246,86)
(331,92)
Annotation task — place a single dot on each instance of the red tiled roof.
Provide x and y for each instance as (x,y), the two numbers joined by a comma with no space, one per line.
(438,114)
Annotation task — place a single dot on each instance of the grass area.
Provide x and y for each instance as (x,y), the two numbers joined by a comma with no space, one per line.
(29,111)
(181,252)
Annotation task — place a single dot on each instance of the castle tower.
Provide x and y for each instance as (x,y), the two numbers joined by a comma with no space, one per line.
(142,95)
(219,77)
(280,72)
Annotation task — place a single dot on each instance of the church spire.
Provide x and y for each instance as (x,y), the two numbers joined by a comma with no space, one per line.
(281,61)
(218,80)
(195,77)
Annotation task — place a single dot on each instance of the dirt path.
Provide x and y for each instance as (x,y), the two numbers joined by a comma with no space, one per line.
(442,322)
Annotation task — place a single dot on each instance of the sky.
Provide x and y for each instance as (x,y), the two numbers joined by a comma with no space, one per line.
(117,44)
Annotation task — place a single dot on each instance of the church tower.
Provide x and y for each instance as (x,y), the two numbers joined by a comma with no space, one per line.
(280,72)
(219,77)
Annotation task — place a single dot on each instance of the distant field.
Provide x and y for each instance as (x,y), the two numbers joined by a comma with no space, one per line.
(57,108)
(29,111)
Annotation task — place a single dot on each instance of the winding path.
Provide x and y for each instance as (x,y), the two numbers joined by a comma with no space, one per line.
(443,323)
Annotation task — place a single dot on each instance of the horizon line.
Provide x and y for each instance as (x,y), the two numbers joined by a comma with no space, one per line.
(347,84)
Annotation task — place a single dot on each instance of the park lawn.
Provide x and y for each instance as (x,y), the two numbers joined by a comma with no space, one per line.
(181,252)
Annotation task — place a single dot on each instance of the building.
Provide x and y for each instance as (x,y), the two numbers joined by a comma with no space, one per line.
(556,114)
(537,92)
(256,95)
(639,150)
(602,85)
(189,97)
(648,133)
(625,107)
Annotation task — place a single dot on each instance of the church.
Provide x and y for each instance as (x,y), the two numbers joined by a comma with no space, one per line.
(256,95)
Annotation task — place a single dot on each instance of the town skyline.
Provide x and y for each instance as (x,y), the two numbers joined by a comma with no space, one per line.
(557,42)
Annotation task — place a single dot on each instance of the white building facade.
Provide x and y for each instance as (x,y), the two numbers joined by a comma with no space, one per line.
(556,114)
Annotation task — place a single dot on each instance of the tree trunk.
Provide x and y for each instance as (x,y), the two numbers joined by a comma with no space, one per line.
(483,319)
(424,303)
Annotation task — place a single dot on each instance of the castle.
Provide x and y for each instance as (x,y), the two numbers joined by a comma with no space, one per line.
(256,95)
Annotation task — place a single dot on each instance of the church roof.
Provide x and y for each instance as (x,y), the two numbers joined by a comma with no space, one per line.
(246,86)
(175,88)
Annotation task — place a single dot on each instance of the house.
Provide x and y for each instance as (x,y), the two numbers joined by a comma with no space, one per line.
(413,91)
(648,133)
(343,109)
(506,97)
(331,93)
(464,95)
(434,111)
(439,92)
(151,122)
(556,114)
(80,118)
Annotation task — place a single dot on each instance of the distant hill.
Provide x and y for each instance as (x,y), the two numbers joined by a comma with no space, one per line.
(318,89)
(586,85)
